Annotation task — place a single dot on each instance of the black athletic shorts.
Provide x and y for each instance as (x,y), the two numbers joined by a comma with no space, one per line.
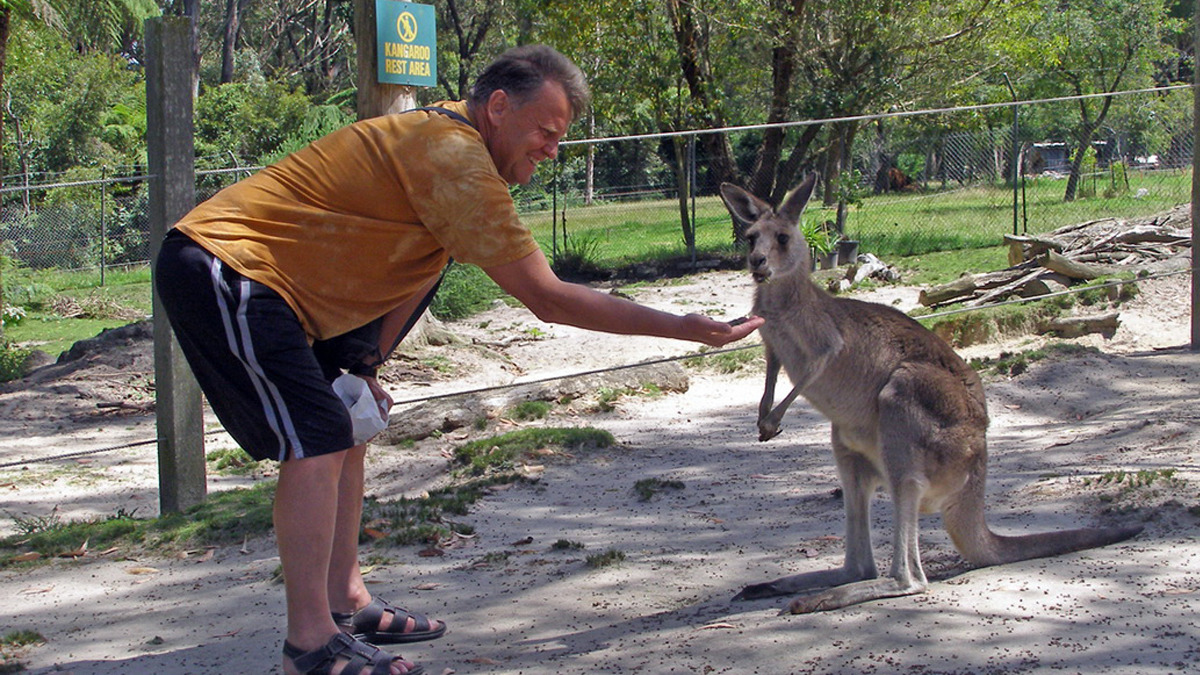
(269,387)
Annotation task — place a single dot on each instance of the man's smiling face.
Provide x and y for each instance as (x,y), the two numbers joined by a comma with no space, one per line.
(524,134)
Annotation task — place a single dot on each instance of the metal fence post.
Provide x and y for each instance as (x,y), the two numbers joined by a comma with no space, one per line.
(103,228)
(172,164)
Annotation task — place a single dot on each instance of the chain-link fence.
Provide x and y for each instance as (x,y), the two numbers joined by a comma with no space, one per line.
(909,184)
(96,223)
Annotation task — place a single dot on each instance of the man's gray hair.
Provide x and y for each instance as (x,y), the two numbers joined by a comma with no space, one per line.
(521,71)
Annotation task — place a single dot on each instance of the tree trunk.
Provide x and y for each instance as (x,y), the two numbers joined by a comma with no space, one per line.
(783,65)
(233,25)
(375,98)
(690,44)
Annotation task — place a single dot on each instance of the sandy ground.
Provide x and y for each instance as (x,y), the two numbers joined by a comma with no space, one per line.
(748,512)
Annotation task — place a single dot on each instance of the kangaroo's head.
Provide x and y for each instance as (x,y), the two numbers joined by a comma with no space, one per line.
(777,248)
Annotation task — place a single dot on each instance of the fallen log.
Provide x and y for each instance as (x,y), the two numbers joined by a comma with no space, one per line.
(1072,268)
(1022,248)
(1001,292)
(1076,326)
(968,284)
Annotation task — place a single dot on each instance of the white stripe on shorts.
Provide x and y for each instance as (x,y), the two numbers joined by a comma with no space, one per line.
(274,409)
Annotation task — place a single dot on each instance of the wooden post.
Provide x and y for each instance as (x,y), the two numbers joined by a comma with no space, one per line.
(1195,181)
(171,156)
(375,98)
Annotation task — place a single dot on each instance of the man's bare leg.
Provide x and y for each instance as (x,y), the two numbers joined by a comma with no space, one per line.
(306,505)
(347,591)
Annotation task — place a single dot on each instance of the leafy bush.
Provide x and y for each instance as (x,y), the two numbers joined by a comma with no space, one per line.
(12,361)
(249,119)
(466,290)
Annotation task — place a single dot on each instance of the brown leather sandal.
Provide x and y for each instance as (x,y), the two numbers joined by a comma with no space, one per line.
(343,648)
(364,624)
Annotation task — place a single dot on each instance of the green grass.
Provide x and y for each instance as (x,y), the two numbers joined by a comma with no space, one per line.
(12,645)
(934,237)
(501,453)
(606,559)
(647,488)
(63,307)
(224,517)
(889,225)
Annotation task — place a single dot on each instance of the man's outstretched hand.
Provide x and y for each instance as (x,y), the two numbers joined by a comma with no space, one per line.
(719,333)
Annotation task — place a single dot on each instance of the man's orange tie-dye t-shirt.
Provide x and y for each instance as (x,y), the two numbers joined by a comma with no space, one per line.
(351,226)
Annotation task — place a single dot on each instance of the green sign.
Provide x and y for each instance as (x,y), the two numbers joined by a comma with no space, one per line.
(406,41)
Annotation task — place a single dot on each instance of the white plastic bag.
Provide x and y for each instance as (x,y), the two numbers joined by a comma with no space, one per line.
(368,415)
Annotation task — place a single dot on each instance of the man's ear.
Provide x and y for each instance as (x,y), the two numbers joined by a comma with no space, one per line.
(498,104)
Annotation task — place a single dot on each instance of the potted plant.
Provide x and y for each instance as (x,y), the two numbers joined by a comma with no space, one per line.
(823,244)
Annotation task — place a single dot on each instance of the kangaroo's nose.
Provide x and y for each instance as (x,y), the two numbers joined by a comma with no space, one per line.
(757,260)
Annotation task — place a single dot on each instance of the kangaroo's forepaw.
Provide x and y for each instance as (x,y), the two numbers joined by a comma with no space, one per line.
(768,431)
(758,591)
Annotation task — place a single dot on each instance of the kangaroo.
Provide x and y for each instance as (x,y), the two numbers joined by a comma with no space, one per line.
(907,413)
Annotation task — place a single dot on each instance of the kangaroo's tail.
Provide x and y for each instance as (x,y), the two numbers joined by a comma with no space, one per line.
(965,521)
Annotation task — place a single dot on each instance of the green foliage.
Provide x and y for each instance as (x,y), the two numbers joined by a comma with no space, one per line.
(726,362)
(424,520)
(606,559)
(1015,363)
(74,109)
(465,291)
(579,255)
(529,410)
(816,233)
(251,119)
(319,120)
(224,517)
(12,645)
(502,452)
(12,360)
(647,488)
(231,461)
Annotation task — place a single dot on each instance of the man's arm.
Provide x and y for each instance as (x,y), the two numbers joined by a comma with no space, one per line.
(531,281)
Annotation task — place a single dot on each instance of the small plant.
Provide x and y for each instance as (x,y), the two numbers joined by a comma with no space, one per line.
(607,398)
(578,255)
(816,233)
(499,454)
(566,545)
(605,559)
(529,410)
(12,645)
(647,488)
(1131,480)
(12,316)
(726,362)
(12,361)
(1013,364)
(227,516)
(232,461)
(424,520)
(29,525)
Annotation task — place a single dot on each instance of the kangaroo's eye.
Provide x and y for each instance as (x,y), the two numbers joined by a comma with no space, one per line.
(751,239)
(782,239)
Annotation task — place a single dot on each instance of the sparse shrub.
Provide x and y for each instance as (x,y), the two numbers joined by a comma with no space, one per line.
(646,488)
(605,559)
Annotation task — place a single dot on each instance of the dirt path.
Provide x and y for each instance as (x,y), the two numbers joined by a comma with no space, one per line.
(1062,433)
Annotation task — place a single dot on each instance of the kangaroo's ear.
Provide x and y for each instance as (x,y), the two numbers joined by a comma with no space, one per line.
(742,205)
(797,199)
